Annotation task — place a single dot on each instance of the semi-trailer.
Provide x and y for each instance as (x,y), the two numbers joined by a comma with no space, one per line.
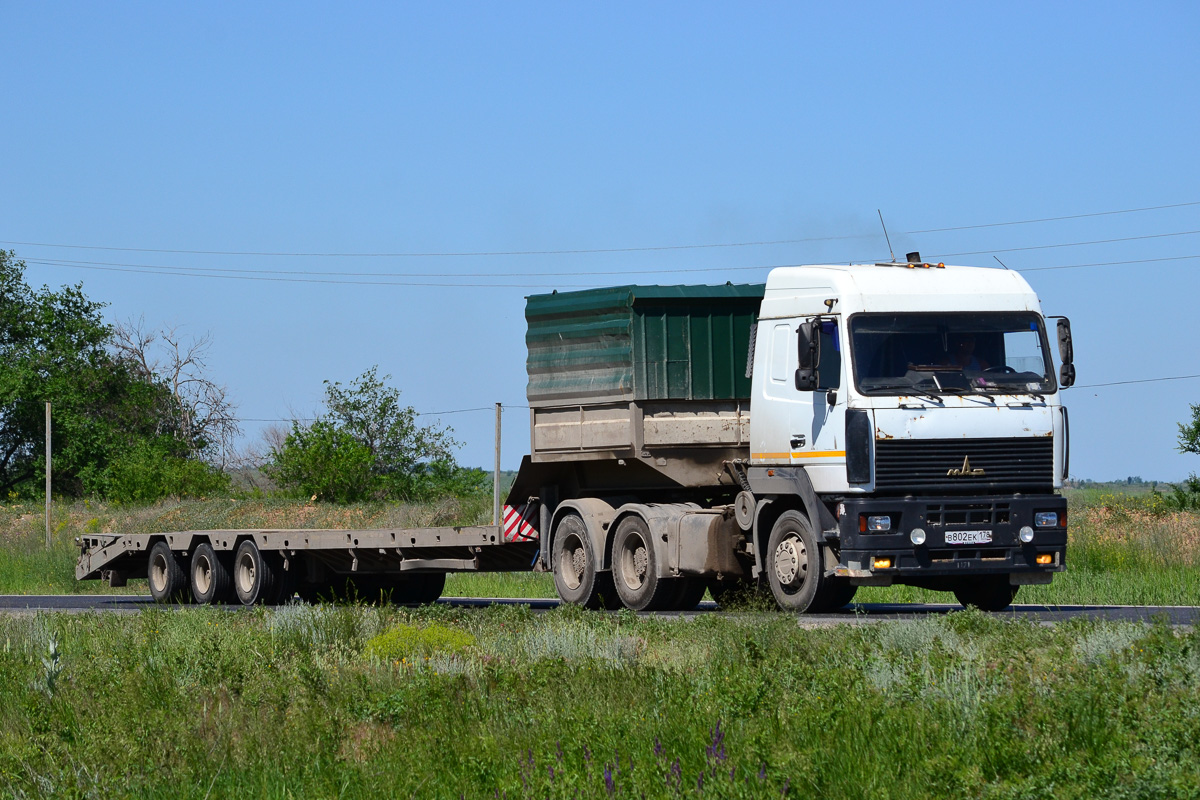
(839,426)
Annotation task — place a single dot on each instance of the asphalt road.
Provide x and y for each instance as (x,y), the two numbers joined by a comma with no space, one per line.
(865,612)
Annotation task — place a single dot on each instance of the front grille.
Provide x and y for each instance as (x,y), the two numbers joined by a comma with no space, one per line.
(970,514)
(1025,464)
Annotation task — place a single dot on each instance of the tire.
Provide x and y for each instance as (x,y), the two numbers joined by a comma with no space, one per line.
(212,581)
(689,591)
(166,576)
(794,563)
(577,578)
(257,576)
(987,593)
(635,569)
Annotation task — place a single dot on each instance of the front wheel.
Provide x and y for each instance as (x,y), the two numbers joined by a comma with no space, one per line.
(987,593)
(794,564)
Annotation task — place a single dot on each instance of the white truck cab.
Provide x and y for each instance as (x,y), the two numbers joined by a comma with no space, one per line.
(920,401)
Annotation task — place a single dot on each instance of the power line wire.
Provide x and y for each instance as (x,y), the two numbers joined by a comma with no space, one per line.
(1064,244)
(1140,380)
(579,251)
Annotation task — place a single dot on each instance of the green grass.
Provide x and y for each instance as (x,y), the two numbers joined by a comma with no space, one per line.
(328,701)
(1124,549)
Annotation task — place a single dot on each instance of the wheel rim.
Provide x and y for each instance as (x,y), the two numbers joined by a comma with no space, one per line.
(791,562)
(572,562)
(246,569)
(202,575)
(634,561)
(158,573)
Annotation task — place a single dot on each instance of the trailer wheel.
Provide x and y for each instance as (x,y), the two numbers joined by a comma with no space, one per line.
(987,593)
(256,579)
(794,564)
(211,579)
(168,581)
(635,569)
(576,577)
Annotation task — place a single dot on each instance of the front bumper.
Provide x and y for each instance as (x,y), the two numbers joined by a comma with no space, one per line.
(935,562)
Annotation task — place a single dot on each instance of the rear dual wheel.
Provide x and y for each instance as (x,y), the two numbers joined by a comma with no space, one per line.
(259,577)
(212,579)
(167,576)
(577,576)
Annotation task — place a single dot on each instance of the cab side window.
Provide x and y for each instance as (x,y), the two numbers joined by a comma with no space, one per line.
(829,372)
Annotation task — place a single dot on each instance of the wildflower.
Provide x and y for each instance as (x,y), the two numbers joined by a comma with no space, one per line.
(558,751)
(658,748)
(762,772)
(608,780)
(551,769)
(700,781)
(587,754)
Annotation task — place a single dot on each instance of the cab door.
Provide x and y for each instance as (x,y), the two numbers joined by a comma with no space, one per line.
(802,428)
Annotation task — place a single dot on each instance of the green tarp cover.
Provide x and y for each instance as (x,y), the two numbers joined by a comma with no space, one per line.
(628,343)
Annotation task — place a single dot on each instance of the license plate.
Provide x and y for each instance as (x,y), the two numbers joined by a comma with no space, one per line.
(968,537)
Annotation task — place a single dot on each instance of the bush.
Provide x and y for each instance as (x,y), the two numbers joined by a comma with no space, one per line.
(149,471)
(403,641)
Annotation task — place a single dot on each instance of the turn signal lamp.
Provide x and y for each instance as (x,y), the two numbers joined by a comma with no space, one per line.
(1045,558)
(882,563)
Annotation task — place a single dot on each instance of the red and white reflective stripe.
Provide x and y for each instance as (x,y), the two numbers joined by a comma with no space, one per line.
(518,523)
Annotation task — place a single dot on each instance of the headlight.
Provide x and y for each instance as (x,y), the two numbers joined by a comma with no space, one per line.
(917,536)
(1045,519)
(879,524)
(1026,534)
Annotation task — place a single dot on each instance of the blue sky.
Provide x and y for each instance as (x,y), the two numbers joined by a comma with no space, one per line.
(458,127)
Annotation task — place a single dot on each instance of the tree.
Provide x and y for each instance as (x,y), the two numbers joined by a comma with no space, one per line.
(1189,434)
(367,444)
(54,345)
(207,423)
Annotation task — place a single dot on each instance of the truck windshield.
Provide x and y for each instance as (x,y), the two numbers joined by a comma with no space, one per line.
(988,353)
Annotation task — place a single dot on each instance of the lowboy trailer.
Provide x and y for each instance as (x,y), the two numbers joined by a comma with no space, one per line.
(839,426)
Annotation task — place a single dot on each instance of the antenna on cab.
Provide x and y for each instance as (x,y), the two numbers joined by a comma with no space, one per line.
(885,235)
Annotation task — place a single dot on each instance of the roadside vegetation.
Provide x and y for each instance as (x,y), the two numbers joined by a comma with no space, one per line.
(353,701)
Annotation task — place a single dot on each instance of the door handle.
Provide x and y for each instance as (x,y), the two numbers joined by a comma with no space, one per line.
(797,440)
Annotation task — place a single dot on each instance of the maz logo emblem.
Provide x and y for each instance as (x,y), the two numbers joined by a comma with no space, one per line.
(964,470)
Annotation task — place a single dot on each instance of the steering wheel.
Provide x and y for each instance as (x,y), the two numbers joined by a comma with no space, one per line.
(1004,369)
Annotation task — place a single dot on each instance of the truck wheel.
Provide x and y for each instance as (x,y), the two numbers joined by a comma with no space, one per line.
(256,579)
(419,589)
(211,580)
(635,569)
(576,577)
(794,567)
(987,593)
(168,581)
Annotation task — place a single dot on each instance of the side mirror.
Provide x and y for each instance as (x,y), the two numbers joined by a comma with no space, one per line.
(1066,354)
(809,343)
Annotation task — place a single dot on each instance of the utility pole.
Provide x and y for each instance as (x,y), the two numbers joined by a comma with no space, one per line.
(47,474)
(496,474)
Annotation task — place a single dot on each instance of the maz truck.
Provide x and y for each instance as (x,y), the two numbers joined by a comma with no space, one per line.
(839,426)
